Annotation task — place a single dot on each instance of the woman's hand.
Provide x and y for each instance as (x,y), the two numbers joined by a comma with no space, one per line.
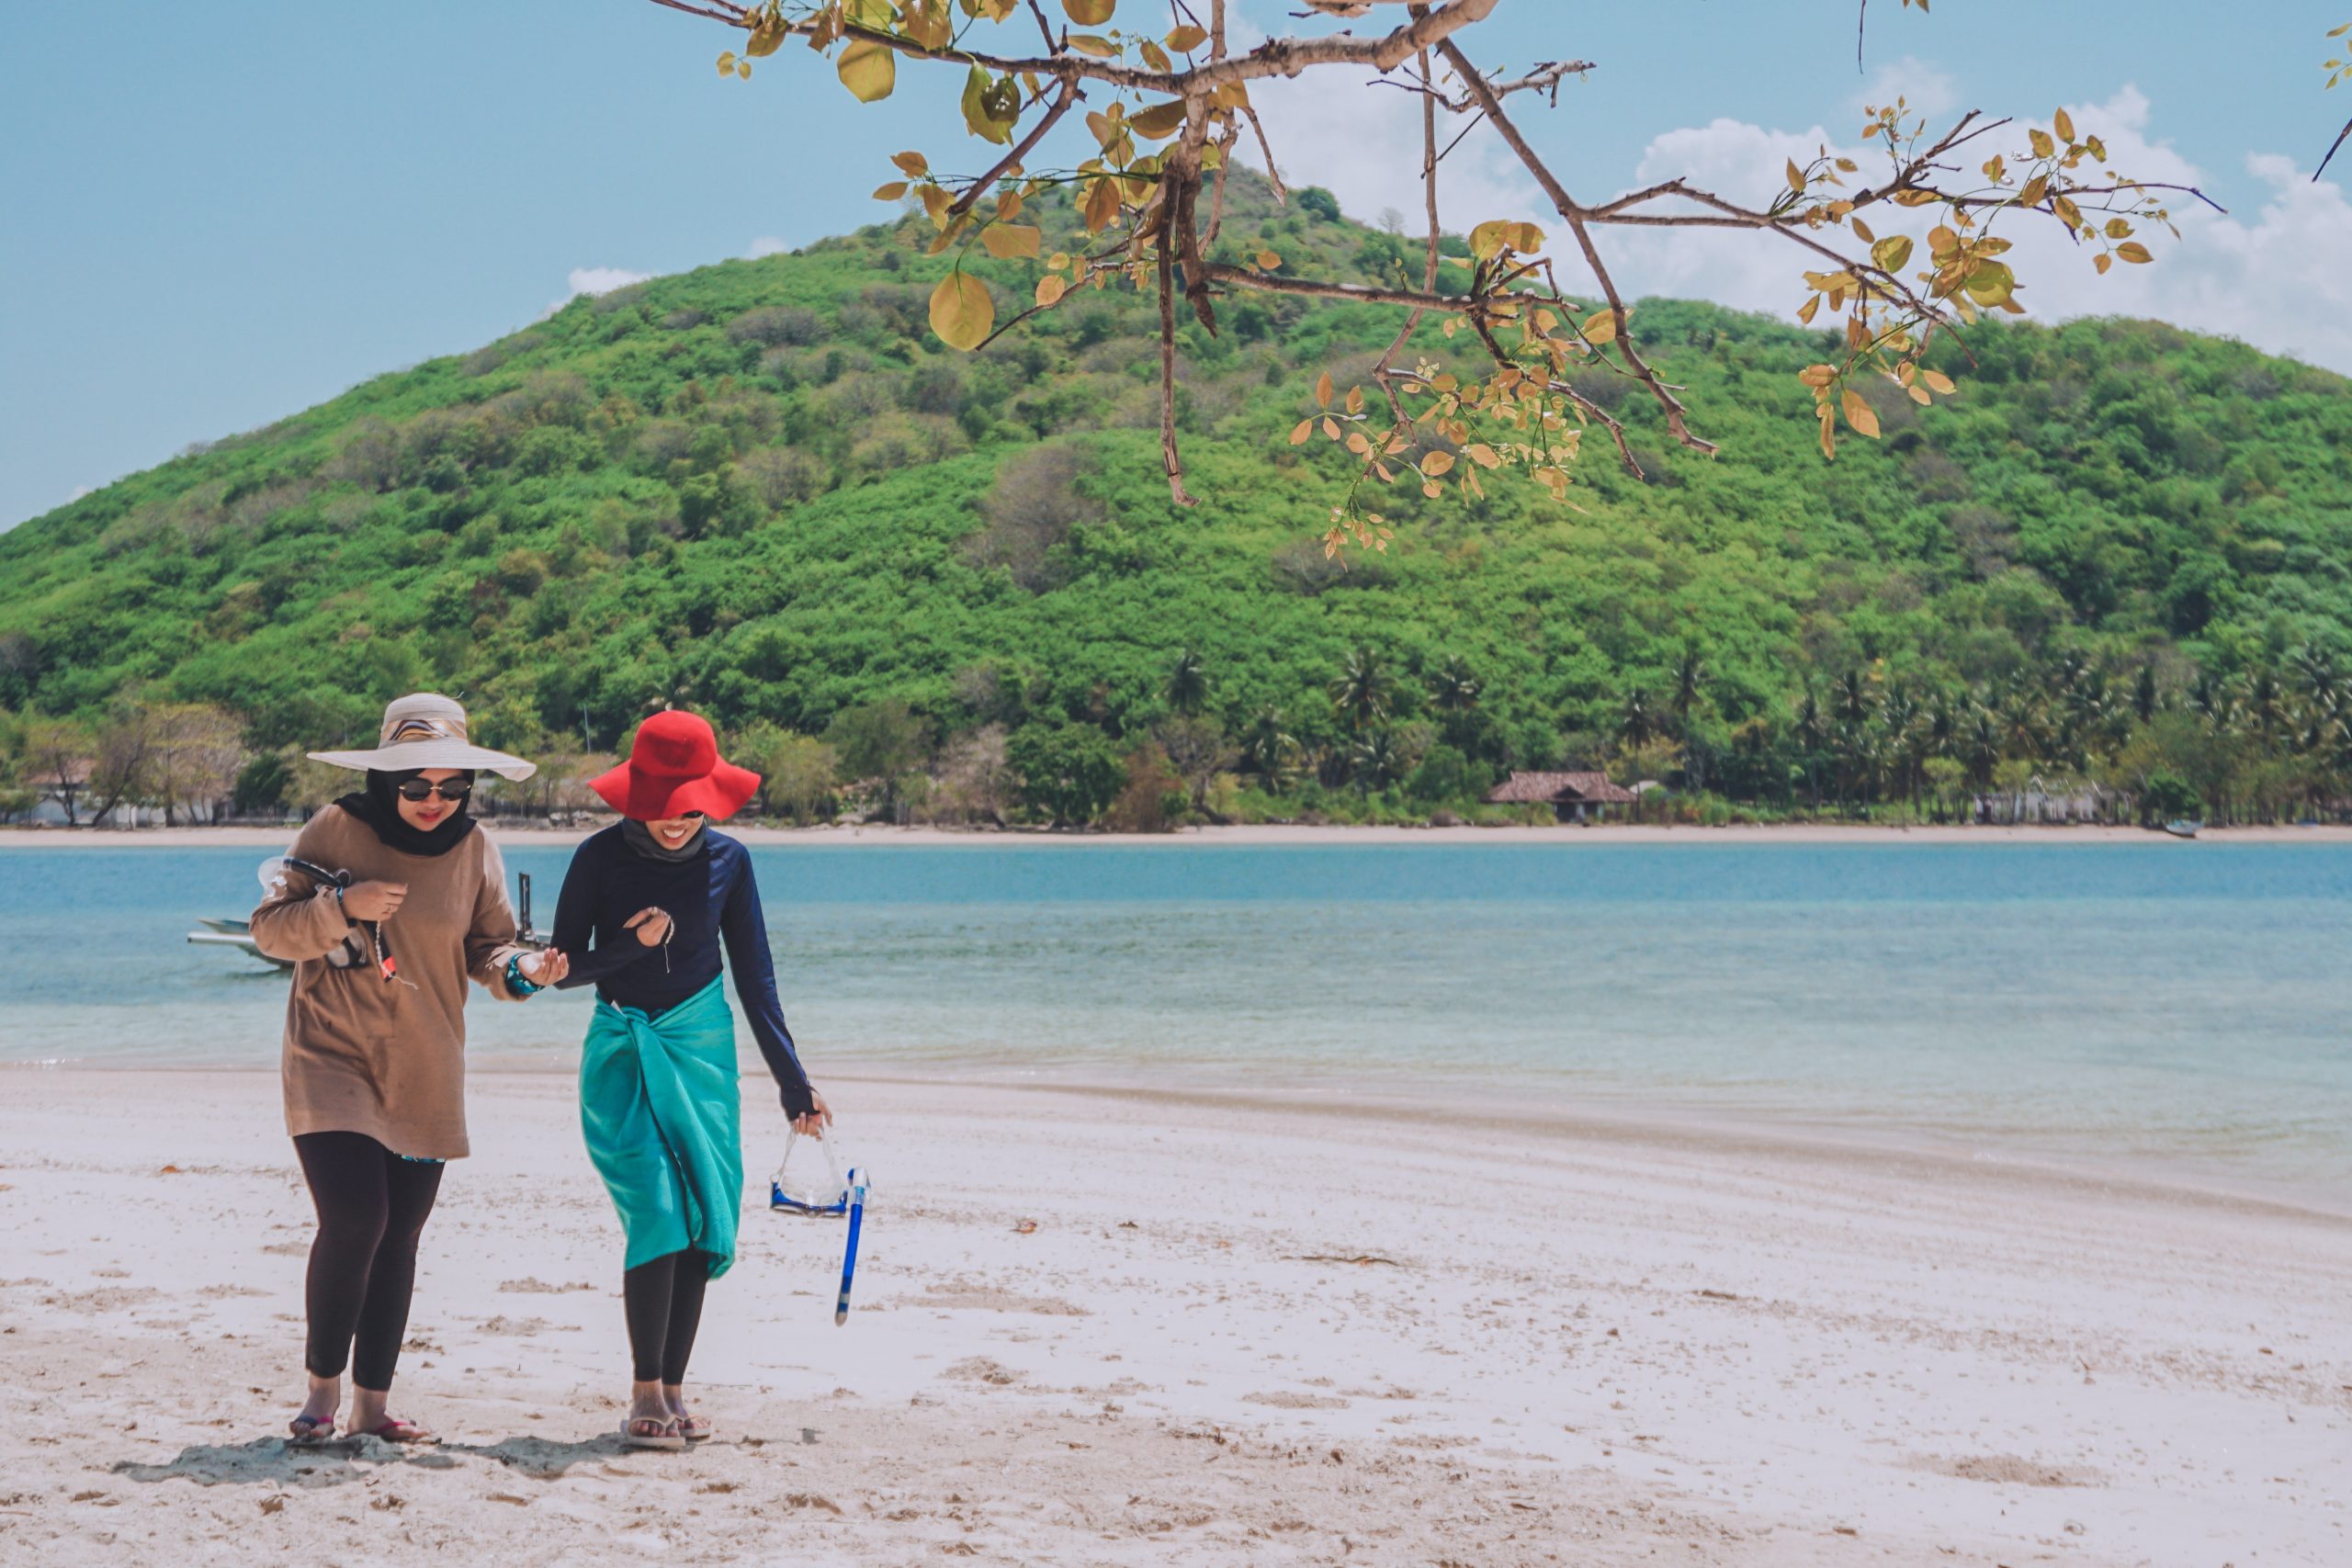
(818,1117)
(652,926)
(544,968)
(373,900)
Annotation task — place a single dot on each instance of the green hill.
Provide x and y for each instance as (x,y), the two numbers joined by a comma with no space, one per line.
(762,490)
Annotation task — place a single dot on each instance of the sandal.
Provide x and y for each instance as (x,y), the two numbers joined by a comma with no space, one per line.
(308,1430)
(395,1430)
(694,1428)
(651,1432)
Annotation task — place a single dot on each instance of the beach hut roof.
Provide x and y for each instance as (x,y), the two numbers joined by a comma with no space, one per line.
(1528,787)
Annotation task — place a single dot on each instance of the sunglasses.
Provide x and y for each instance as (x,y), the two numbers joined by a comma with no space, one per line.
(452,790)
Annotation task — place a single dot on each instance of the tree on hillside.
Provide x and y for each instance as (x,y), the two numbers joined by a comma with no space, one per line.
(1188,683)
(57,758)
(1362,693)
(1906,255)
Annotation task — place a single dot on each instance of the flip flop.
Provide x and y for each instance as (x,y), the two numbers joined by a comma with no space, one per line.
(651,1432)
(395,1430)
(310,1430)
(694,1429)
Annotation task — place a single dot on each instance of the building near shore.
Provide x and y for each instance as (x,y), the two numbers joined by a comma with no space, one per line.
(1574,797)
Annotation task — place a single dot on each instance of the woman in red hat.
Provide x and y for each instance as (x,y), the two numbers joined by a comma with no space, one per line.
(644,909)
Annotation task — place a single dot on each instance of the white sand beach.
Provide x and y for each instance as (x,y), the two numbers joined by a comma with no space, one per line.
(1240,1332)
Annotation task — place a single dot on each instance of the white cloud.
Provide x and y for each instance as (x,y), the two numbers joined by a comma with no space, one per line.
(593,280)
(1361,139)
(767,245)
(79,491)
(1924,89)
(2274,278)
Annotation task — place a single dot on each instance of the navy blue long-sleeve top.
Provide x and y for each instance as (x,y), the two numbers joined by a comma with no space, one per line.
(712,898)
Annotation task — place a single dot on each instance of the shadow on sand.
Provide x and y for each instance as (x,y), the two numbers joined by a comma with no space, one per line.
(275,1462)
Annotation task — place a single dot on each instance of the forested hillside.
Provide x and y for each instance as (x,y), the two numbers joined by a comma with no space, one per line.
(2120,554)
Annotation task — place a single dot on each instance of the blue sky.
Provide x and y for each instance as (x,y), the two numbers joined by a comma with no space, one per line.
(213,215)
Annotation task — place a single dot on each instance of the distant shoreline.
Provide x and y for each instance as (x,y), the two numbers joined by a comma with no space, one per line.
(514,832)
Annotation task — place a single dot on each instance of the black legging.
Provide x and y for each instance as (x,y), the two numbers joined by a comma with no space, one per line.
(664,1303)
(372,1205)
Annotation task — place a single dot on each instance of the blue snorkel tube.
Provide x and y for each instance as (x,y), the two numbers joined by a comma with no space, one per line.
(845,1196)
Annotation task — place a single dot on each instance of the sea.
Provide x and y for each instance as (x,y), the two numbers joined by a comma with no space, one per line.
(2166,1007)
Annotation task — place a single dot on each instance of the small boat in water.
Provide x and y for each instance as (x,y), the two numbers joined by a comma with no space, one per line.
(2182,827)
(238,934)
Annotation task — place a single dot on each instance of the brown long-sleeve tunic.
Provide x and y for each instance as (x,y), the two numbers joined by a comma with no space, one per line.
(368,1054)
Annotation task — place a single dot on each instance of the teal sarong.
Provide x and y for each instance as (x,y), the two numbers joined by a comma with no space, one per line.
(662,1112)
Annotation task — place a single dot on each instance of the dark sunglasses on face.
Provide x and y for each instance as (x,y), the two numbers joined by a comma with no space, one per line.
(453,790)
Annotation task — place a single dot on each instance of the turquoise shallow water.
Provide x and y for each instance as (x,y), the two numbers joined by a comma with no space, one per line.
(2185,1004)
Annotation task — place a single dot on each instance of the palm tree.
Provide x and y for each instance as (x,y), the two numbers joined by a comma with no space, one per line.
(1981,748)
(1188,683)
(1268,748)
(1375,760)
(1454,689)
(1634,724)
(1809,739)
(2143,694)
(1362,691)
(1689,671)
(1852,699)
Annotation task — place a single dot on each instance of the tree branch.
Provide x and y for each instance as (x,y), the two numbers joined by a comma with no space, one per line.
(1070,95)
(1168,456)
(1677,424)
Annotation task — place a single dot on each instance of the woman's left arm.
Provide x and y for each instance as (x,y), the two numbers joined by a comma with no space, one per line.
(491,947)
(744,925)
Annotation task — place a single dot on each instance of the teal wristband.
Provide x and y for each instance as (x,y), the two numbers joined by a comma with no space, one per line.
(515,980)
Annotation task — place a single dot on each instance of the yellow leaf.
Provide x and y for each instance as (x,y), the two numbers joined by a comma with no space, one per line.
(1859,414)
(1816,376)
(2101,262)
(1299,434)
(1432,490)
(1090,13)
(1438,463)
(961,311)
(1862,232)
(1796,177)
(2042,146)
(1805,310)
(868,70)
(1938,380)
(743,69)
(1828,433)
(1330,427)
(1161,121)
(1050,290)
(1482,455)
(914,165)
(2134,251)
(1101,204)
(1093,44)
(1891,252)
(726,63)
(766,38)
(2064,124)
(1006,241)
(1600,327)
(891,192)
(1990,284)
(1156,57)
(1186,39)
(1488,239)
(1323,391)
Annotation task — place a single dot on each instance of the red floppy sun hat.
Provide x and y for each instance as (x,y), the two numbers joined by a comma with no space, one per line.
(674,767)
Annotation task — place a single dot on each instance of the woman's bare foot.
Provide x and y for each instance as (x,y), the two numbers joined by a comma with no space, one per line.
(316,1421)
(691,1427)
(369,1418)
(651,1423)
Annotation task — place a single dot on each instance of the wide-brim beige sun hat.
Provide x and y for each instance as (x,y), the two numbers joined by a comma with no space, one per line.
(424,730)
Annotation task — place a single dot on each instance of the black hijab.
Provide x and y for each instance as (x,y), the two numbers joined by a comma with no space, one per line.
(379,806)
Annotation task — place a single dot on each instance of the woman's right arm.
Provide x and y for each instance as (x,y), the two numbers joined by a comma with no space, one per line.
(578,913)
(301,918)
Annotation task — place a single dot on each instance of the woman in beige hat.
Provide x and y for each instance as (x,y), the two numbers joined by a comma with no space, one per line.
(391,900)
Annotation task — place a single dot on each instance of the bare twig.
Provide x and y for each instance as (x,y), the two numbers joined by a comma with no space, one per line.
(1677,424)
(2331,151)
